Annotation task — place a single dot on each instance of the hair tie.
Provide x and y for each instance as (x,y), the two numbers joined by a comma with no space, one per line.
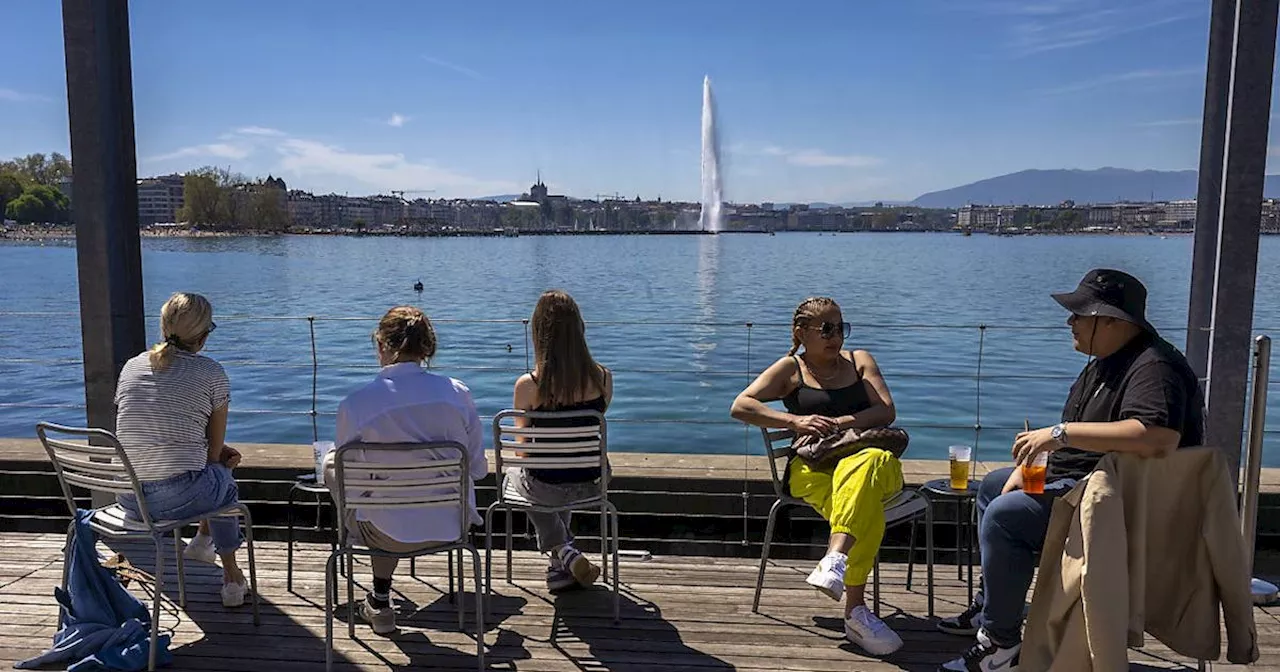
(174,341)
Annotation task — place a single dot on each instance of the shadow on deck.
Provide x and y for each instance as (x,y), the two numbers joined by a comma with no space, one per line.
(679,613)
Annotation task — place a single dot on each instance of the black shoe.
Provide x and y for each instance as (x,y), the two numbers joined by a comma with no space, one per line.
(985,656)
(966,624)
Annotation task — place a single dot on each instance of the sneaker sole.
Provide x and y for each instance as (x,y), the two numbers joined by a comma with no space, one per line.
(583,571)
(377,628)
(200,556)
(833,592)
(957,631)
(873,650)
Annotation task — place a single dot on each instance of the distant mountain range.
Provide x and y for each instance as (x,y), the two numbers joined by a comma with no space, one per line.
(1051,187)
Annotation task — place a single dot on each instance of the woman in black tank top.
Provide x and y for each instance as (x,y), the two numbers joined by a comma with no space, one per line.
(564,378)
(825,389)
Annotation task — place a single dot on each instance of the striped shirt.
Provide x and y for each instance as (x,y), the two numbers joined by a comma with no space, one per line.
(162,416)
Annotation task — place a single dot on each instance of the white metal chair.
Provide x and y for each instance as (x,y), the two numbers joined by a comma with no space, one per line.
(105,468)
(414,476)
(906,506)
(533,447)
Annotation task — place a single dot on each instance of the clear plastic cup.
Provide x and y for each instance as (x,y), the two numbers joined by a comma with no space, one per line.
(960,458)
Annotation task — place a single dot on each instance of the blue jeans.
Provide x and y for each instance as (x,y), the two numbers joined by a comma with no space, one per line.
(1011,529)
(190,495)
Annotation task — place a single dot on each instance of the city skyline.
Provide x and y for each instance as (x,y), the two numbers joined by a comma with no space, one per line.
(818,102)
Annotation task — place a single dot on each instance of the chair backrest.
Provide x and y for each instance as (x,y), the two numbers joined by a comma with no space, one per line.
(532,447)
(382,476)
(777,446)
(101,468)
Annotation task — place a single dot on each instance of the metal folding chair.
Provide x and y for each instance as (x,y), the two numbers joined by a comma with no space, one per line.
(418,476)
(905,507)
(105,468)
(573,447)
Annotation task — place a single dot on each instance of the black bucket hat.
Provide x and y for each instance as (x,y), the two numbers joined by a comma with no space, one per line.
(1109,293)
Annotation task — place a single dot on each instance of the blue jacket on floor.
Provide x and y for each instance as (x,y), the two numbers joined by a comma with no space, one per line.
(104,627)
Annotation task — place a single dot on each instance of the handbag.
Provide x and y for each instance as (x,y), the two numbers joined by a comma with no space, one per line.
(822,452)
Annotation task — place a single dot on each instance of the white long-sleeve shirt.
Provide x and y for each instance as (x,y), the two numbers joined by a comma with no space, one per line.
(406,404)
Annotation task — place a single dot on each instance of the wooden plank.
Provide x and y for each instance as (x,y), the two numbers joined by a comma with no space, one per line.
(680,613)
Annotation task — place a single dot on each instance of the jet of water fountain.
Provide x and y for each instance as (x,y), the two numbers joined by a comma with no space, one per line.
(712,186)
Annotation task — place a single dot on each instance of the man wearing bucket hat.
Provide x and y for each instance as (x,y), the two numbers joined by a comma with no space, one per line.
(1137,395)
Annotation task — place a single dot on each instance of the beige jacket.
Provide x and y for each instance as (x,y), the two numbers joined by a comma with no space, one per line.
(1142,545)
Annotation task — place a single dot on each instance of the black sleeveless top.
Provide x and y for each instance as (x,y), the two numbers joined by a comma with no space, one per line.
(577,474)
(806,400)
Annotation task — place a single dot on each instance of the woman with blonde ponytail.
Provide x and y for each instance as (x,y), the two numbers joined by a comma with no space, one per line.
(825,389)
(171,418)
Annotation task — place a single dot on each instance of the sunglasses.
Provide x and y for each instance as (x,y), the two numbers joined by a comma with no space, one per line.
(212,326)
(830,329)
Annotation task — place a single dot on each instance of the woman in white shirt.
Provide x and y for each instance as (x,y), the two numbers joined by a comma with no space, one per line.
(407,404)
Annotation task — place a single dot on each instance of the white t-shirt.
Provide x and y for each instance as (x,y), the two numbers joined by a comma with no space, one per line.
(162,417)
(406,404)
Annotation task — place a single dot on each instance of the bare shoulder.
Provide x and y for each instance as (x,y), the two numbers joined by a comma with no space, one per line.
(862,359)
(525,383)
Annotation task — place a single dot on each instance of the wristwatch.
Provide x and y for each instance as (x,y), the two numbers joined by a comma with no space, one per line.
(1059,433)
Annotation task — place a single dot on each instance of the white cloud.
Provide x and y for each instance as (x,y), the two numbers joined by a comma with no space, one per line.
(1132,77)
(807,158)
(259,131)
(460,69)
(1167,123)
(381,172)
(12,96)
(1051,25)
(220,150)
(397,120)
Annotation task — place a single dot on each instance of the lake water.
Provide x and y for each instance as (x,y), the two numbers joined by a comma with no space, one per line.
(669,314)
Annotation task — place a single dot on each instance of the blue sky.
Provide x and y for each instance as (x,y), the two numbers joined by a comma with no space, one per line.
(823,100)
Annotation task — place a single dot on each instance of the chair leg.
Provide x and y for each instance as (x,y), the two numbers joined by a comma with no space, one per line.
(604,541)
(480,607)
(764,552)
(911,551)
(462,586)
(253,563)
(488,556)
(875,585)
(928,543)
(510,518)
(288,539)
(330,602)
(182,577)
(155,606)
(66,568)
(617,580)
(351,601)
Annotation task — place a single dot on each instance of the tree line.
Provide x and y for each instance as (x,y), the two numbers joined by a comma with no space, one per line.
(29,192)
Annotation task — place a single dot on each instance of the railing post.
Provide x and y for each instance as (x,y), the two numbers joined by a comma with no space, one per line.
(1253,450)
(746,457)
(315,373)
(977,408)
(525,322)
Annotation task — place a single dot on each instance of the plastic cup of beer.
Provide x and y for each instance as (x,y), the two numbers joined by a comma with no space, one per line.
(959,456)
(321,449)
(1033,474)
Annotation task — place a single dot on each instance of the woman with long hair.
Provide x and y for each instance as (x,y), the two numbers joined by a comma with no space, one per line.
(564,378)
(171,419)
(405,403)
(825,389)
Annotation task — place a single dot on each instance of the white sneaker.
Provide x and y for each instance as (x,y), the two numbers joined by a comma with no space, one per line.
(869,632)
(200,549)
(828,576)
(233,594)
(985,656)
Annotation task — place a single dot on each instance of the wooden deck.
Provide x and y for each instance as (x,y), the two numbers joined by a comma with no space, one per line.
(679,613)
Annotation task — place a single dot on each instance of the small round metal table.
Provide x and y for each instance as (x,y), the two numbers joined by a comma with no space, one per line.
(966,501)
(306,483)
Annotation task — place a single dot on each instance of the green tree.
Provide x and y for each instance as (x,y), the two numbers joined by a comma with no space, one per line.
(359,224)
(38,168)
(265,211)
(10,189)
(26,209)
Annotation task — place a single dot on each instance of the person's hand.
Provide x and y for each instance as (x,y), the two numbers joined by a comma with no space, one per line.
(1014,482)
(814,425)
(230,457)
(1029,444)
